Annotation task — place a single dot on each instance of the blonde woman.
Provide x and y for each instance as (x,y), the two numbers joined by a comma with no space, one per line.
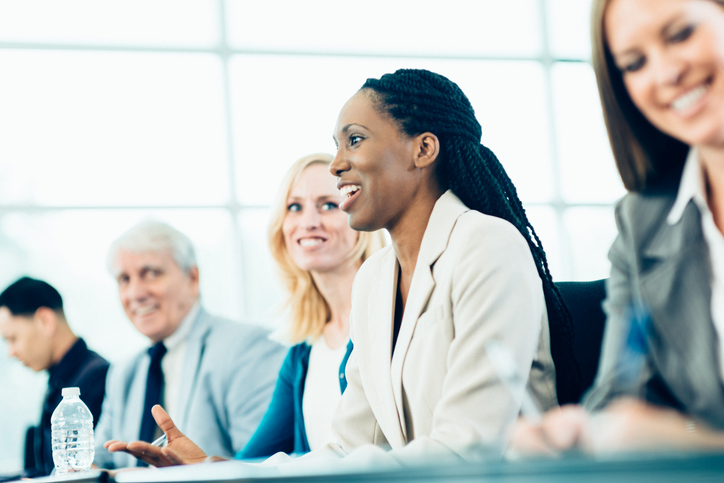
(318,255)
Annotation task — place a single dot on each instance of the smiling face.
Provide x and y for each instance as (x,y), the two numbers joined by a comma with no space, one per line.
(375,166)
(315,230)
(28,341)
(155,293)
(671,56)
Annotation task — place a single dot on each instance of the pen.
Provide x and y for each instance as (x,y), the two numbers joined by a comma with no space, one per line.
(161,441)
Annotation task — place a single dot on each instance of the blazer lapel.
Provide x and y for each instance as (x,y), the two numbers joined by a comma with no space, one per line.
(380,314)
(442,220)
(676,283)
(195,343)
(420,291)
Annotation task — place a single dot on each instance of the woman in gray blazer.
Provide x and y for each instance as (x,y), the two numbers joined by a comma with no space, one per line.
(660,72)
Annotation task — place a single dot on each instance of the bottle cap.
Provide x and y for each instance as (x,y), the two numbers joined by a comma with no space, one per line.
(71,391)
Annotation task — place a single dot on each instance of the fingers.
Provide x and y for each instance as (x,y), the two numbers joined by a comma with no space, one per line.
(165,423)
(115,445)
(153,455)
(527,439)
(139,450)
(108,443)
(216,459)
(563,427)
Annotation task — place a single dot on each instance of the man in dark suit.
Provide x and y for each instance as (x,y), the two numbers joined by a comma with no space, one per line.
(33,324)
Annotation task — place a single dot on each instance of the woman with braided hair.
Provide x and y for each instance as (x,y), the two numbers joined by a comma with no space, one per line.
(465,268)
(465,271)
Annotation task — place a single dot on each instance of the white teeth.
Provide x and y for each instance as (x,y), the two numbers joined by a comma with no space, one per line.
(689,98)
(310,242)
(145,310)
(349,190)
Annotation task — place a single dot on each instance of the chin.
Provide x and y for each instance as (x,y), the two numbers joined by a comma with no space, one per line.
(358,224)
(149,330)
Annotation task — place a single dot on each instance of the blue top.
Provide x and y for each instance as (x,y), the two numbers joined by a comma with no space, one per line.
(282,428)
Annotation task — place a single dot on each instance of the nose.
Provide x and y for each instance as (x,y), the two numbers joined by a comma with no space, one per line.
(338,165)
(310,218)
(670,69)
(135,289)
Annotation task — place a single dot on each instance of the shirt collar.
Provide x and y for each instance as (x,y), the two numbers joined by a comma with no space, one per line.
(184,328)
(691,188)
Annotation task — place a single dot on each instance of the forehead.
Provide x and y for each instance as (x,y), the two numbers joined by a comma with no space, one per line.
(8,321)
(313,182)
(359,109)
(629,21)
(128,262)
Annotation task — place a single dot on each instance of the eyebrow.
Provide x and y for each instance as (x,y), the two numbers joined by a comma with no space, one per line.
(144,268)
(672,22)
(329,196)
(346,128)
(663,32)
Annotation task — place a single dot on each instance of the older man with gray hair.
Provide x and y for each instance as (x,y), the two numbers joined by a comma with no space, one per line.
(215,377)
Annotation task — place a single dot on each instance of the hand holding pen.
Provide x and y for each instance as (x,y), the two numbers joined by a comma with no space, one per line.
(161,441)
(178,449)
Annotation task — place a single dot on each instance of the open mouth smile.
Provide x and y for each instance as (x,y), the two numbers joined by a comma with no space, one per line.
(686,101)
(145,310)
(348,192)
(310,242)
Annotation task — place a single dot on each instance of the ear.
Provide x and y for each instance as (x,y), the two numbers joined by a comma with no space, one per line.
(47,319)
(427,149)
(194,276)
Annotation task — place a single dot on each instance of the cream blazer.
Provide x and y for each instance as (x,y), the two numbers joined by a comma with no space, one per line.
(475,280)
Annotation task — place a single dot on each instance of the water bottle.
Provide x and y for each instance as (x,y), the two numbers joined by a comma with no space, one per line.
(72,433)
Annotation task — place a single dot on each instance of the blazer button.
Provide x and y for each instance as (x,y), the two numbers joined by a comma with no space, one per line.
(341,375)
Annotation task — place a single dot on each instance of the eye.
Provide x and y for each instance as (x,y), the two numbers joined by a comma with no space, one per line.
(329,206)
(123,279)
(154,273)
(633,66)
(681,34)
(354,139)
(294,207)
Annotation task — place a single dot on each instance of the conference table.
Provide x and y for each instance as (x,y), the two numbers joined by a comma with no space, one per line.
(638,467)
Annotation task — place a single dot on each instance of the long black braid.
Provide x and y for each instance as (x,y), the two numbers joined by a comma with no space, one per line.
(422,101)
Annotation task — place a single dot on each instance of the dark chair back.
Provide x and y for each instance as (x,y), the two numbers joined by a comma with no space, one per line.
(584,301)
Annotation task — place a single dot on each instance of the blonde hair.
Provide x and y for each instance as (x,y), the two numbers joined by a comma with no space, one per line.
(644,155)
(309,309)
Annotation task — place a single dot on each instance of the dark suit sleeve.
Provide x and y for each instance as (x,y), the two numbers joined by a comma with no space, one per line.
(276,430)
(92,384)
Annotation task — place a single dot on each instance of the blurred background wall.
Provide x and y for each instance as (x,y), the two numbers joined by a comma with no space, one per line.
(189,111)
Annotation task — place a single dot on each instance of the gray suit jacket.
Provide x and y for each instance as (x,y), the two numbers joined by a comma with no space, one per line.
(666,269)
(475,281)
(230,370)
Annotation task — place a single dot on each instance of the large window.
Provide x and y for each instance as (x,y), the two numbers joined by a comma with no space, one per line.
(189,111)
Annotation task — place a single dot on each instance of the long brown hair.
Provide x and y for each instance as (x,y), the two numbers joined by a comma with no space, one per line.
(644,155)
(309,309)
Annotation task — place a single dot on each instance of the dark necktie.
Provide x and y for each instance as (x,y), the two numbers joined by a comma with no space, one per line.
(154,386)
